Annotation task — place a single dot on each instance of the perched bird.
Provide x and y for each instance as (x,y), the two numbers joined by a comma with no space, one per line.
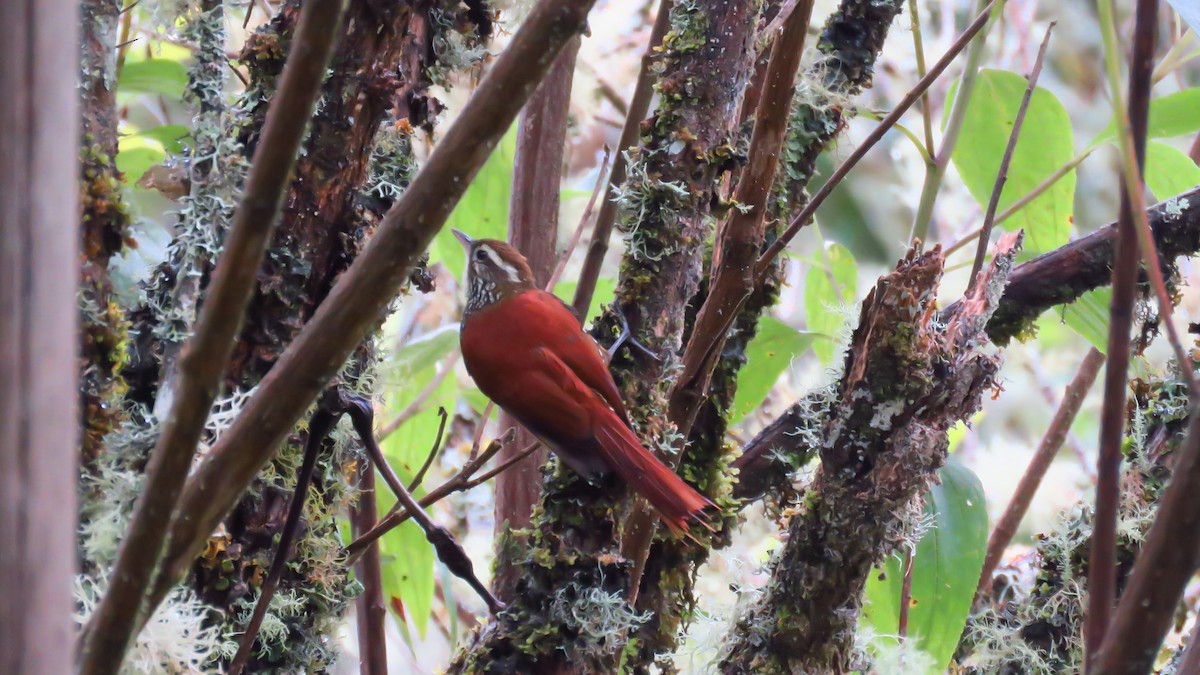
(527,352)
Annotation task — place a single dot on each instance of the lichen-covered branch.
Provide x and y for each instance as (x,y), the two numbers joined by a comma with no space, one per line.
(355,304)
(202,363)
(1060,276)
(910,374)
(574,562)
(105,224)
(666,584)
(1053,278)
(1036,627)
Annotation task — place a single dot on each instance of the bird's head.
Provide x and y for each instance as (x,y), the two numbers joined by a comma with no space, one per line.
(495,270)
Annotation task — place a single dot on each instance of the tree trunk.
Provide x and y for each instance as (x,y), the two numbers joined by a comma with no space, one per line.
(38,248)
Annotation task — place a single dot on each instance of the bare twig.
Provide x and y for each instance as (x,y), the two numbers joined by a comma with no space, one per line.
(905,593)
(460,482)
(954,122)
(204,358)
(363,291)
(565,256)
(763,266)
(371,610)
(919,51)
(447,548)
(318,429)
(1002,174)
(1021,203)
(1102,565)
(433,451)
(639,106)
(1051,443)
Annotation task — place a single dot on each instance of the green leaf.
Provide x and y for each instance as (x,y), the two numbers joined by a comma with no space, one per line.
(945,570)
(1168,171)
(153,76)
(1172,115)
(1088,316)
(408,558)
(170,136)
(136,154)
(825,298)
(1046,143)
(606,288)
(767,356)
(483,211)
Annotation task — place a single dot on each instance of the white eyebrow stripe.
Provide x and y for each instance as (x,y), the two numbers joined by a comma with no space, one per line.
(514,275)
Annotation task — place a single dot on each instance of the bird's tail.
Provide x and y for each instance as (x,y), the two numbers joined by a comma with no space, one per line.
(677,503)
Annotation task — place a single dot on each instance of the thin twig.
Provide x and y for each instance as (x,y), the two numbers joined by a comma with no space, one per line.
(203,360)
(433,451)
(447,548)
(460,482)
(954,122)
(397,515)
(763,266)
(565,256)
(501,468)
(989,218)
(905,593)
(919,52)
(639,106)
(1047,450)
(371,609)
(318,429)
(1102,564)
(362,293)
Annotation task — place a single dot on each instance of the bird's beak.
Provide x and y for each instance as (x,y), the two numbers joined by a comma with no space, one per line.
(463,238)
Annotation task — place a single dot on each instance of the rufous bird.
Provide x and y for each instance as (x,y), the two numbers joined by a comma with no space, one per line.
(529,355)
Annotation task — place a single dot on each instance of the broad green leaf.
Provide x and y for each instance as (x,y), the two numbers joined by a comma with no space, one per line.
(827,291)
(1168,171)
(1089,316)
(408,558)
(136,154)
(767,356)
(407,562)
(153,76)
(1172,115)
(945,570)
(606,287)
(170,136)
(483,211)
(1046,143)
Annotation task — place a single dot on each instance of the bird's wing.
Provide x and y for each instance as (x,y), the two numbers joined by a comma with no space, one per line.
(553,325)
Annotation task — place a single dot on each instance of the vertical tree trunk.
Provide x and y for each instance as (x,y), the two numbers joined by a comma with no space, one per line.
(38,217)
(533,229)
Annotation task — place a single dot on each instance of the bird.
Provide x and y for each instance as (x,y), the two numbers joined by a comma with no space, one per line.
(528,353)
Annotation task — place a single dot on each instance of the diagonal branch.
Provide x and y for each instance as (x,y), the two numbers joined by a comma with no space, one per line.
(204,358)
(801,219)
(360,297)
(1102,563)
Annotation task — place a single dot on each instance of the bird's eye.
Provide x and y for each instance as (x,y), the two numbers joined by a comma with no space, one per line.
(481,254)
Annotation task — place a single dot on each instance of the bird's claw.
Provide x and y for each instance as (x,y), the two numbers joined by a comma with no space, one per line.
(627,336)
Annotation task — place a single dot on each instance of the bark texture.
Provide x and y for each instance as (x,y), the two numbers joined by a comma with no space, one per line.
(38,339)
(570,605)
(910,374)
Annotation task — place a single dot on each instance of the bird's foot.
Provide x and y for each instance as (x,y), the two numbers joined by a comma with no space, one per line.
(626,336)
